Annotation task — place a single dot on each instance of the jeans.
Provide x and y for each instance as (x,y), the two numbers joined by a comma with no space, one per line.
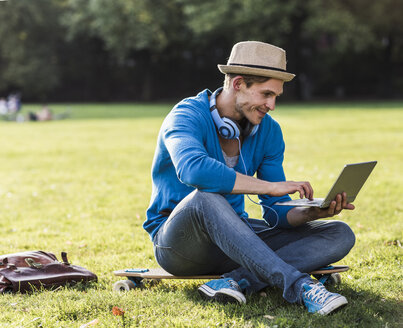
(204,235)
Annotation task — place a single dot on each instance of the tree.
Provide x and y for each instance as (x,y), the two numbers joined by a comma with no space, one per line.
(139,33)
(362,38)
(229,21)
(159,49)
(29,34)
(325,40)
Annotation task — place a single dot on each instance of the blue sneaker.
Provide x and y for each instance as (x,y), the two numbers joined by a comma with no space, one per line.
(318,300)
(225,290)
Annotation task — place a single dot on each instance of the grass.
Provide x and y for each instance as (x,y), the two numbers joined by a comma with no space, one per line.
(82,185)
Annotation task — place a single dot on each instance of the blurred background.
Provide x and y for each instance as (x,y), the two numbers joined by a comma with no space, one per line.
(159,50)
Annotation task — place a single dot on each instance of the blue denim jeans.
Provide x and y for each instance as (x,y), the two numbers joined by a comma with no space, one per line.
(204,235)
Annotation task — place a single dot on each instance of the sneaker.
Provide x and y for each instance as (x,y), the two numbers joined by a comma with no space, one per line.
(318,300)
(225,290)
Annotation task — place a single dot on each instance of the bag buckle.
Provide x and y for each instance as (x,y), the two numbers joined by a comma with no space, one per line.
(32,264)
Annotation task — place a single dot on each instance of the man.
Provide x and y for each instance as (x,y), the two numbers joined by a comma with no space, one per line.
(209,147)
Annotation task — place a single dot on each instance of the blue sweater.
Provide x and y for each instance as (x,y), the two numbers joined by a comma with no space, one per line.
(188,156)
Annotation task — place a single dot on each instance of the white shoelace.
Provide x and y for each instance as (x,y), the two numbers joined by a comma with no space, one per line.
(317,293)
(234,284)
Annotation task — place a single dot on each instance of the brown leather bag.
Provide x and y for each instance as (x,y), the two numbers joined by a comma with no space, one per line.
(28,271)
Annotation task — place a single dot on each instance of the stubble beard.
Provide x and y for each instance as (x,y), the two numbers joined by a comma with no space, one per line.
(243,108)
(239,110)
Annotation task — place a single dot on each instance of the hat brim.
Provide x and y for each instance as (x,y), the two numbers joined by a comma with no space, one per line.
(243,70)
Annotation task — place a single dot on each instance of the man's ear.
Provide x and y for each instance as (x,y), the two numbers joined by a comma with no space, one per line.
(237,82)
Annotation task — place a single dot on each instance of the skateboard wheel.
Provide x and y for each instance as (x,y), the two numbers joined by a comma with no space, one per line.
(123,285)
(335,278)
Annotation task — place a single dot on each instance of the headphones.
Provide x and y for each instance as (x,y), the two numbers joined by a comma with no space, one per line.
(228,128)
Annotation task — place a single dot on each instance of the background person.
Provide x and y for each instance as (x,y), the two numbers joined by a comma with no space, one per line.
(3,106)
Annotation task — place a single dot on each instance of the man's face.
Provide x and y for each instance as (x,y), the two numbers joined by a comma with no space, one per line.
(254,102)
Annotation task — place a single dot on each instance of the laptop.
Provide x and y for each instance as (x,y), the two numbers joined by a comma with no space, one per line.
(350,180)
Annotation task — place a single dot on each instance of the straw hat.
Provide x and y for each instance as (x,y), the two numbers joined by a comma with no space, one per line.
(257,58)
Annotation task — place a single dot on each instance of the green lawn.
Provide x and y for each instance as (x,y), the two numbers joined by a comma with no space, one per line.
(82,185)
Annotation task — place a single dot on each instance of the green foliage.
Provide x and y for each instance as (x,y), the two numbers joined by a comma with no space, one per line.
(354,28)
(29,34)
(238,20)
(126,26)
(141,49)
(82,185)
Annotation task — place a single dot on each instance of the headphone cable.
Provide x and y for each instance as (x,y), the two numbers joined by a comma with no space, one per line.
(266,206)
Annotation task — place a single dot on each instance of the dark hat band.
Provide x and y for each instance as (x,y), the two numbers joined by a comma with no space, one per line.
(258,66)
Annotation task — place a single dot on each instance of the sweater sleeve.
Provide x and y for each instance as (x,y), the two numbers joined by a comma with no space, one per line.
(184,133)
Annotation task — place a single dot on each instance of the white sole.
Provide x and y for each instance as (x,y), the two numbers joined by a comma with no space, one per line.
(333,305)
(224,295)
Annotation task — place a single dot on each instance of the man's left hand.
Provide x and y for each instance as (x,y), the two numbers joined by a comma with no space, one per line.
(336,206)
(300,215)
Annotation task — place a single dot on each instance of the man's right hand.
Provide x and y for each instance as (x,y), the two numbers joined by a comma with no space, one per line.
(290,187)
(245,184)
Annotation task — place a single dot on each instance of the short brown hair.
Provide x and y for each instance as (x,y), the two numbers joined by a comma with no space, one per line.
(248,79)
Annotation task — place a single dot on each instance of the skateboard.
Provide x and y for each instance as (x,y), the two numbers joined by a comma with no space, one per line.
(329,275)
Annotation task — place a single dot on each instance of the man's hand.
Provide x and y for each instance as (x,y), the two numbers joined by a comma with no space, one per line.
(335,207)
(290,187)
(245,184)
(301,215)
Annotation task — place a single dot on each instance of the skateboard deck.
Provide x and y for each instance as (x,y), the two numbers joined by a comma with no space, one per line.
(136,276)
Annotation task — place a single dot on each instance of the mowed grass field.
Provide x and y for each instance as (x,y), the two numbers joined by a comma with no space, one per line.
(82,185)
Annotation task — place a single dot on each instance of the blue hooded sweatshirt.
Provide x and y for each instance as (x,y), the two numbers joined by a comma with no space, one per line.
(188,156)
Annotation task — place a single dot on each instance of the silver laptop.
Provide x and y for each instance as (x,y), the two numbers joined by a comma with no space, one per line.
(350,180)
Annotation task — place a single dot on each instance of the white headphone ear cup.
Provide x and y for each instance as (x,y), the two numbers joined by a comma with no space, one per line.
(227,128)
(224,129)
(232,127)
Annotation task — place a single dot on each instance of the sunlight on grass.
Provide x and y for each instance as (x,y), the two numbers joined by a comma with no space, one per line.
(82,185)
